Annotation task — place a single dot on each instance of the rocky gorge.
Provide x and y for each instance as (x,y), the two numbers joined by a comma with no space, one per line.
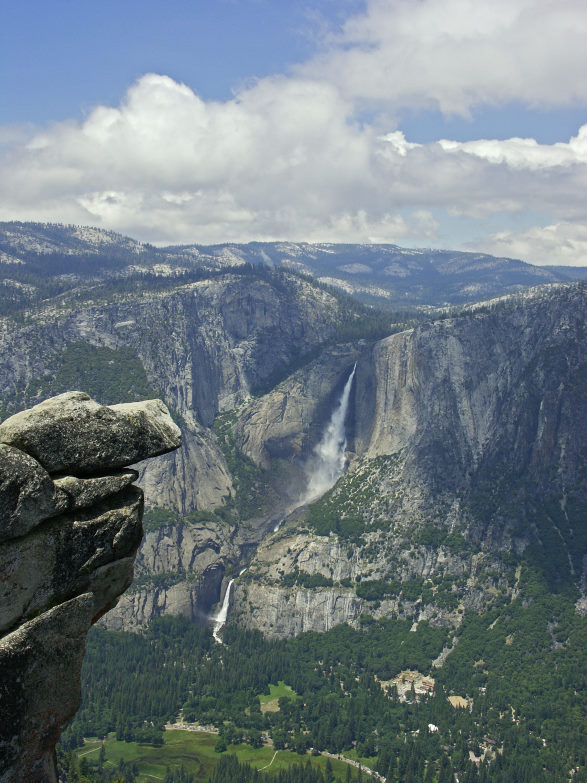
(464,449)
(70,526)
(464,433)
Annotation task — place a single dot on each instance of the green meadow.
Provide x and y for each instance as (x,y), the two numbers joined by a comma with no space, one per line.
(195,751)
(276,692)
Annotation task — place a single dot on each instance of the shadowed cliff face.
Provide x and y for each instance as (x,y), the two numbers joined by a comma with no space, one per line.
(70,525)
(468,438)
(498,383)
(465,441)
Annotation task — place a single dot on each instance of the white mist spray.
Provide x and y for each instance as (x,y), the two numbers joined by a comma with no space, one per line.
(327,463)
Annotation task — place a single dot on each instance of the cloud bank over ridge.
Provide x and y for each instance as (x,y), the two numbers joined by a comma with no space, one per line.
(293,157)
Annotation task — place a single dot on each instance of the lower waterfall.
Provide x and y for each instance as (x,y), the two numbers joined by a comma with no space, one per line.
(220,618)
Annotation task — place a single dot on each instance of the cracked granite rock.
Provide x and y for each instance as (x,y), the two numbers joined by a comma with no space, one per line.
(70,526)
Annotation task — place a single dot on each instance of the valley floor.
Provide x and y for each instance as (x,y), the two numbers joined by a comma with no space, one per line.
(194,750)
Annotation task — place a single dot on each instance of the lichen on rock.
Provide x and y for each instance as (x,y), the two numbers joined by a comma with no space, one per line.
(70,526)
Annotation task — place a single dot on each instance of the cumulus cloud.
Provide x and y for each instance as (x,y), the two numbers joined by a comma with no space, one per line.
(279,149)
(453,55)
(288,157)
(283,159)
(525,153)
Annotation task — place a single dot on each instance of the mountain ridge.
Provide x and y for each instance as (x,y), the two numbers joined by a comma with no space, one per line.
(382,274)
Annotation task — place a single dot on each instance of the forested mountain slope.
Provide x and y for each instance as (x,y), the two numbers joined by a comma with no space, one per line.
(386,275)
(453,547)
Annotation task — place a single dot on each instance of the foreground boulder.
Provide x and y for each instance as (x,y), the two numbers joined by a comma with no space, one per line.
(73,434)
(70,525)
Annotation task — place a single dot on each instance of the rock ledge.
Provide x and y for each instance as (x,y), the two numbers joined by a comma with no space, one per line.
(70,526)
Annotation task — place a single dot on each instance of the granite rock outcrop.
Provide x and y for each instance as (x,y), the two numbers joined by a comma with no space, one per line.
(70,526)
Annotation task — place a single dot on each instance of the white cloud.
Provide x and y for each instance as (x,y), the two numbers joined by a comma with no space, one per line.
(397,143)
(283,159)
(286,158)
(559,243)
(453,55)
(525,153)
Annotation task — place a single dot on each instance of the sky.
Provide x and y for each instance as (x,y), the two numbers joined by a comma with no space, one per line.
(456,124)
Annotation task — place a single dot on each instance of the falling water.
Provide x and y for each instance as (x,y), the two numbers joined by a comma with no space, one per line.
(327,463)
(323,470)
(220,619)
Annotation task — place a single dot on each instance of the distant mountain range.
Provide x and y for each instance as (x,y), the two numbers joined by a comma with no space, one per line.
(383,275)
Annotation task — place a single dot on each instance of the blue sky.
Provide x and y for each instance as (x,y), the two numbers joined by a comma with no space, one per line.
(62,57)
(336,120)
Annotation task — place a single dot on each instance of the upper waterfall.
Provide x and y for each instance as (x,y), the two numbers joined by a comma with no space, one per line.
(327,463)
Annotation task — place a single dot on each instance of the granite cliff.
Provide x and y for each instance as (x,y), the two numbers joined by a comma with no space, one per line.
(467,438)
(465,455)
(203,346)
(463,431)
(70,526)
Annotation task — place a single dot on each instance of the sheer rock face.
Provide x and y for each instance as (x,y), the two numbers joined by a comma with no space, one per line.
(474,425)
(67,550)
(176,552)
(287,422)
